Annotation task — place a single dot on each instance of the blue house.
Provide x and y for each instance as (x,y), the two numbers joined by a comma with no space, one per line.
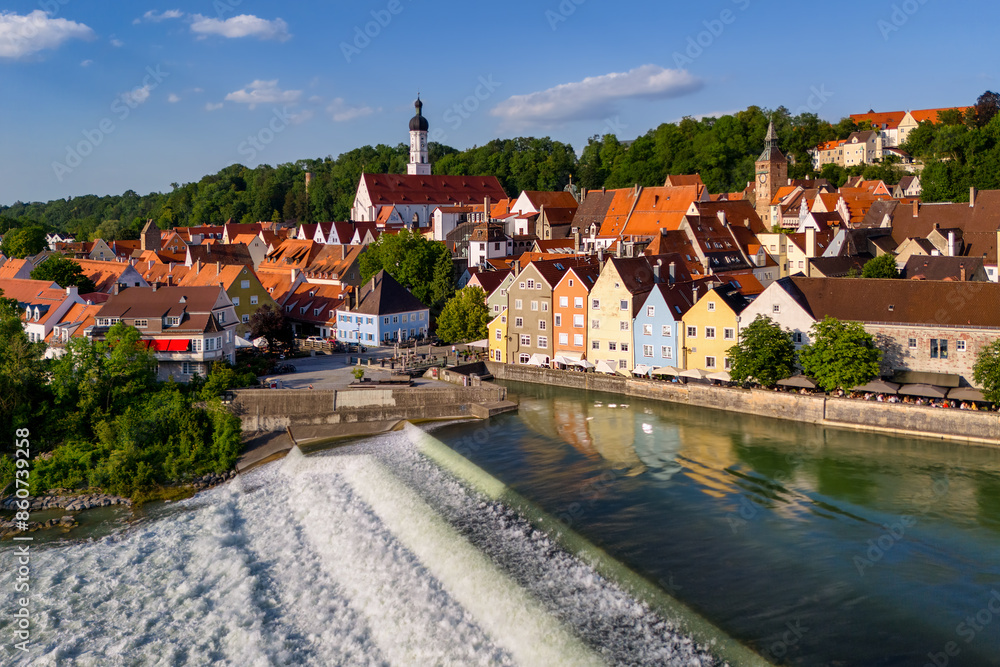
(656,329)
(383,312)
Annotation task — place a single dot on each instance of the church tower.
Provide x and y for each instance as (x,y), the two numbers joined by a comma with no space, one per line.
(150,238)
(772,173)
(420,164)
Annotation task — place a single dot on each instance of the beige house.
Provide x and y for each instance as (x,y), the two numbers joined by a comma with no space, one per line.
(862,148)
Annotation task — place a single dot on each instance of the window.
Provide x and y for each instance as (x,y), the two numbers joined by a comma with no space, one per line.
(912,343)
(577,340)
(543,342)
(665,330)
(960,345)
(558,319)
(186,368)
(222,317)
(244,284)
(421,316)
(939,348)
(524,358)
(709,362)
(650,311)
(624,347)
(578,321)
(522,285)
(534,305)
(531,284)
(776,308)
(525,340)
(692,332)
(622,364)
(729,334)
(196,345)
(518,322)
(647,329)
(612,346)
(578,302)
(595,323)
(595,345)
(541,325)
(647,350)
(666,352)
(623,305)
(496,308)
(503,319)
(563,339)
(623,325)
(595,304)
(797,338)
(518,305)
(570,282)
(385,320)
(545,306)
(711,306)
(141,324)
(564,302)
(728,364)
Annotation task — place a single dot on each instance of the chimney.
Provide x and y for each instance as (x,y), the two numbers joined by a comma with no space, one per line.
(673,272)
(951,242)
(656,270)
(722,218)
(170,267)
(694,293)
(486,208)
(972,196)
(115,290)
(218,268)
(811,241)
(197,267)
(916,208)
(961,272)
(600,255)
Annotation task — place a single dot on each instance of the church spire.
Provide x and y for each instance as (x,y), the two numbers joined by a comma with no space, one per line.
(771,150)
(419,159)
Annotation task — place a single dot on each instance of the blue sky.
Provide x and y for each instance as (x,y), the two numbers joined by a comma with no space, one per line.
(105,96)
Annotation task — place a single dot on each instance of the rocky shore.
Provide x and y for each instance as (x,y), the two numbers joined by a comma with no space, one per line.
(78,502)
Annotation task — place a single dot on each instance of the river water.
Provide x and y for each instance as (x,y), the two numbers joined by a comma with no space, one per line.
(813,546)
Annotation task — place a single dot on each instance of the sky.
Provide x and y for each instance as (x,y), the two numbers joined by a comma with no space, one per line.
(104,96)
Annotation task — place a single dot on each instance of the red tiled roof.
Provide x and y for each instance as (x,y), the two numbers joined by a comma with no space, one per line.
(388,189)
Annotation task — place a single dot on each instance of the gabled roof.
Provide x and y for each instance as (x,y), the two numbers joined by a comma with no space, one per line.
(593,209)
(888,120)
(924,267)
(555,245)
(561,199)
(682,180)
(231,253)
(334,261)
(214,274)
(194,305)
(388,189)
(660,208)
(382,295)
(291,253)
(309,297)
(104,275)
(731,296)
(737,212)
(979,224)
(41,294)
(920,115)
(490,280)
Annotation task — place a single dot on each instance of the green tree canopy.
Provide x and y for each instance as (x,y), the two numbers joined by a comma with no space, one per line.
(23,242)
(422,266)
(465,317)
(883,266)
(65,273)
(765,353)
(986,371)
(842,355)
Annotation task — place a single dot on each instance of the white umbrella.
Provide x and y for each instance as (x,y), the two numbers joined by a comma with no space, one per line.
(721,376)
(537,360)
(583,363)
(665,370)
(641,369)
(694,373)
(481,344)
(242,343)
(604,367)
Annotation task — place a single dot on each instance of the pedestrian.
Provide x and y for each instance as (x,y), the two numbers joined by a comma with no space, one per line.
(310,386)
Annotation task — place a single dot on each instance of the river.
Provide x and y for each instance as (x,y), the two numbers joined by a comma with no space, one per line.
(812,546)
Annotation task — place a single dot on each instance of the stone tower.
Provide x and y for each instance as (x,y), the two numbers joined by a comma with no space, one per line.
(150,239)
(420,164)
(772,173)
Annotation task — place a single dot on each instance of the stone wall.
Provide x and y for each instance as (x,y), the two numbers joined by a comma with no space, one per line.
(814,408)
(278,409)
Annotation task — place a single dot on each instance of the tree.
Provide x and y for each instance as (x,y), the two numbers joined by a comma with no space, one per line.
(986,107)
(23,242)
(65,273)
(986,371)
(842,355)
(883,266)
(270,324)
(418,264)
(465,317)
(21,373)
(765,353)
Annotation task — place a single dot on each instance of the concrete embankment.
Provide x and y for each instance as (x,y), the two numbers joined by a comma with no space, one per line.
(978,427)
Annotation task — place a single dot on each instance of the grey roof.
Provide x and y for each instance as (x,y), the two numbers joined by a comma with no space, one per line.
(382,295)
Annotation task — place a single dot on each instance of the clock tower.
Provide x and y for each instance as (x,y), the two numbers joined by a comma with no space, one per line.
(771,173)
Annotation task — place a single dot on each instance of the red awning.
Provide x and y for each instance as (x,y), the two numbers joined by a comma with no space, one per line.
(171,345)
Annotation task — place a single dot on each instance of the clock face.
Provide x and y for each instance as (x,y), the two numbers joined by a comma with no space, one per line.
(762,178)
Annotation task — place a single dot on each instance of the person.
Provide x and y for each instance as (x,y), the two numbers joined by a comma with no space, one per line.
(310,386)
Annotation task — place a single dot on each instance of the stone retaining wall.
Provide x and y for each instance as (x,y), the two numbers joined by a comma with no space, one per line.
(975,426)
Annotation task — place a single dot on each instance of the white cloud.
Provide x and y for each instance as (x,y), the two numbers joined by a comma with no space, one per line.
(153,17)
(264,92)
(244,25)
(595,97)
(299,118)
(24,35)
(87,63)
(117,43)
(137,96)
(342,113)
(173,99)
(213,107)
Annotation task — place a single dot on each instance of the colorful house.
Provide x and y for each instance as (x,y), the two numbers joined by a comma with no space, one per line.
(616,296)
(658,329)
(385,313)
(498,337)
(569,298)
(711,327)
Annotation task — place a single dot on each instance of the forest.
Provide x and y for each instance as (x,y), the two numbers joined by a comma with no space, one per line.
(959,151)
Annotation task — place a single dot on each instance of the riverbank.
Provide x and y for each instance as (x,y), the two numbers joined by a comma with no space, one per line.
(981,428)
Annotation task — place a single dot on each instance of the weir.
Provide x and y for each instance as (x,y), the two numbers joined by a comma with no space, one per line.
(689,622)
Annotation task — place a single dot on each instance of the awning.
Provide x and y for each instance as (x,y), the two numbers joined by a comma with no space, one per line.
(798,381)
(605,367)
(878,387)
(923,390)
(665,370)
(641,369)
(694,373)
(919,377)
(721,376)
(572,357)
(583,363)
(966,394)
(242,342)
(538,360)
(481,344)
(170,345)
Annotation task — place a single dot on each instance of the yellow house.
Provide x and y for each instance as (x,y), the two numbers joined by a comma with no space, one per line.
(498,337)
(711,327)
(614,299)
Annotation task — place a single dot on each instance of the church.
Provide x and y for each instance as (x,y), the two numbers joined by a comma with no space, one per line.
(391,200)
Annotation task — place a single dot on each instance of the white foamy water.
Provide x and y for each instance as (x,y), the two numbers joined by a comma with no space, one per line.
(371,556)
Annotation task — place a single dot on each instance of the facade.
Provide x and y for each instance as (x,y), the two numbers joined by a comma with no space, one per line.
(241,284)
(188,328)
(658,332)
(711,327)
(498,338)
(385,313)
(772,172)
(530,315)
(862,148)
(42,304)
(614,300)
(496,300)
(570,300)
